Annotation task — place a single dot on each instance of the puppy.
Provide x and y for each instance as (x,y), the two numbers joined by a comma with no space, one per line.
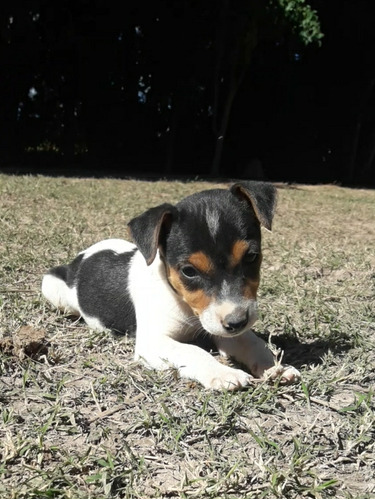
(194,269)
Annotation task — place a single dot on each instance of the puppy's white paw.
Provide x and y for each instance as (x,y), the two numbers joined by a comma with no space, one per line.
(287,374)
(228,379)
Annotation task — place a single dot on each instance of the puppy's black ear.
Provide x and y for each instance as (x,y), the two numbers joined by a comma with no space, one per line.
(148,229)
(262,198)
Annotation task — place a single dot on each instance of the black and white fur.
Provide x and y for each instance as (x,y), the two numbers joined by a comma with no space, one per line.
(194,268)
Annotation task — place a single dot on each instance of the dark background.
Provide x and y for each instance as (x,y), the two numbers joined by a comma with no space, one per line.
(141,88)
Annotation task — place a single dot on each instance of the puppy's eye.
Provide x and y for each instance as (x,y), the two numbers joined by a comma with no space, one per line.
(189,272)
(250,257)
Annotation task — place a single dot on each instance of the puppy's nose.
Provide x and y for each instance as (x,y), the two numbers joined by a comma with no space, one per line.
(236,321)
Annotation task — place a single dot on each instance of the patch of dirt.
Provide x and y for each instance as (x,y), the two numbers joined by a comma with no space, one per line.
(26,342)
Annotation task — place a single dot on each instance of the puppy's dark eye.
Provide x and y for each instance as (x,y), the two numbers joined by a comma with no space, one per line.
(250,257)
(189,272)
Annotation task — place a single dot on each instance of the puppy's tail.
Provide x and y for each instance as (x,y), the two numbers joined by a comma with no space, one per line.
(56,290)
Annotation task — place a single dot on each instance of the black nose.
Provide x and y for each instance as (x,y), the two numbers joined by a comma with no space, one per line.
(235,321)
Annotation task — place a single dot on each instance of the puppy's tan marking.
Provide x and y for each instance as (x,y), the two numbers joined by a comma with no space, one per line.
(202,262)
(239,249)
(196,299)
(250,289)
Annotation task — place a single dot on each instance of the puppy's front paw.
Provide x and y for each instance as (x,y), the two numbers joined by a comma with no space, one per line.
(228,379)
(287,374)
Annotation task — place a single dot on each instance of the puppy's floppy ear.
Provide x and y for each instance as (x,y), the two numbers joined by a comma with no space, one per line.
(148,229)
(262,198)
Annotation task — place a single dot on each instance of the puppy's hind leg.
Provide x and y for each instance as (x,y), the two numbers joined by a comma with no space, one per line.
(56,290)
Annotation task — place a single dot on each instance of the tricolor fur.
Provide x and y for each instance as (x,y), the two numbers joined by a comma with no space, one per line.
(194,268)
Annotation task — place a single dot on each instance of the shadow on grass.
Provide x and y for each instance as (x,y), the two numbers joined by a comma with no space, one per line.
(299,353)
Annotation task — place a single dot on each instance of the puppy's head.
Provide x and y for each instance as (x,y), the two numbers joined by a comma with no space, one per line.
(210,243)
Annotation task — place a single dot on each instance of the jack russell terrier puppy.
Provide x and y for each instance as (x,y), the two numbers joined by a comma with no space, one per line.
(194,269)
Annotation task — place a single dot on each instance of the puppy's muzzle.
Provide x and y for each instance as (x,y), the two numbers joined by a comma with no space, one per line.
(227,319)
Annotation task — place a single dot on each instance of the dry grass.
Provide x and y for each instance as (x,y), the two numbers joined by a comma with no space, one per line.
(80,419)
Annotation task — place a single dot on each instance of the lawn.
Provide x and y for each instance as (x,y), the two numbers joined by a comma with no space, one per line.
(81,419)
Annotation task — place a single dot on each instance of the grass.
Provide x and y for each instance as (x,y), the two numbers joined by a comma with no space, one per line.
(80,419)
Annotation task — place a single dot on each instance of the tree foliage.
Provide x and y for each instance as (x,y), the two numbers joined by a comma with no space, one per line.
(302,18)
